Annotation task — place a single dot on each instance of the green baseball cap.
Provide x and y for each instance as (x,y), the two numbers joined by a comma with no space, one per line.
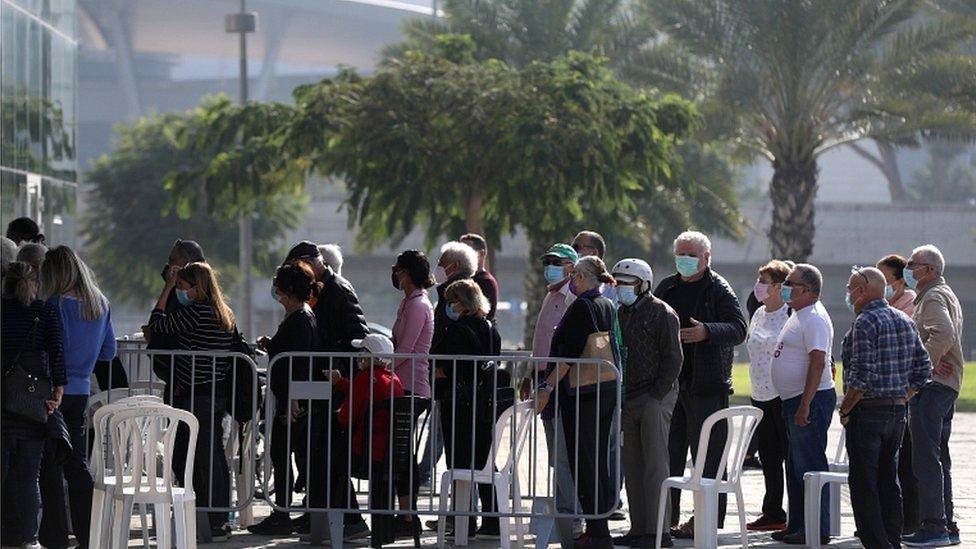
(562,251)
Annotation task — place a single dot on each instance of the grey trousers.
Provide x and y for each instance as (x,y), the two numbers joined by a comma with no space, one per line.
(646,422)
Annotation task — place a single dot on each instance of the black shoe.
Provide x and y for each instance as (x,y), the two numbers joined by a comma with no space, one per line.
(302,525)
(650,540)
(488,531)
(587,541)
(617,515)
(626,540)
(404,528)
(432,524)
(781,535)
(752,462)
(685,531)
(220,534)
(277,524)
(799,538)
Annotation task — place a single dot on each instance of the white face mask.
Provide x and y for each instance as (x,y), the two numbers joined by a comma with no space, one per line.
(440,274)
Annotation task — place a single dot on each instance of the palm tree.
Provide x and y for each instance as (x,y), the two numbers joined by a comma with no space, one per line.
(791,79)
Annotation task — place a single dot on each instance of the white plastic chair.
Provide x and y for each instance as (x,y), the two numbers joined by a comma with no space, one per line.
(813,483)
(104,486)
(464,480)
(144,439)
(742,422)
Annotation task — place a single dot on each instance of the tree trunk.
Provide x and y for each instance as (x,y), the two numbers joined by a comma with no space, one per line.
(889,159)
(535,282)
(474,219)
(792,191)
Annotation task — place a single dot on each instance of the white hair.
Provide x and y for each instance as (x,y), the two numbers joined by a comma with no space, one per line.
(810,276)
(931,255)
(8,252)
(463,255)
(332,256)
(696,238)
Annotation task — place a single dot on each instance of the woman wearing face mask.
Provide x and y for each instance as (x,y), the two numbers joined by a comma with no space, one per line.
(587,417)
(293,286)
(897,292)
(29,325)
(764,328)
(467,332)
(200,385)
(412,334)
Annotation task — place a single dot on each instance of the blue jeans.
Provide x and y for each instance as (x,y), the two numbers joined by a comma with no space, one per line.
(807,452)
(874,435)
(930,421)
(21,451)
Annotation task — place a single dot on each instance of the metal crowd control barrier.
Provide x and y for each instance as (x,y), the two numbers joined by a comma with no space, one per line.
(344,419)
(222,389)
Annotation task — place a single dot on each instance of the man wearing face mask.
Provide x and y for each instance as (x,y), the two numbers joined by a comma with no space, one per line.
(651,359)
(884,365)
(712,324)
(938,317)
(557,265)
(457,261)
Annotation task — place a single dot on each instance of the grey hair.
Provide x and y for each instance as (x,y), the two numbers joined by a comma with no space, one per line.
(32,253)
(695,237)
(8,252)
(463,255)
(594,270)
(810,276)
(931,255)
(332,255)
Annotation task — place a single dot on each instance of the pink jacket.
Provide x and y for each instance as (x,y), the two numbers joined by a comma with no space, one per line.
(553,308)
(412,333)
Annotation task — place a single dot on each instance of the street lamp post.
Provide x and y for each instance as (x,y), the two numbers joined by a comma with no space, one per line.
(243,23)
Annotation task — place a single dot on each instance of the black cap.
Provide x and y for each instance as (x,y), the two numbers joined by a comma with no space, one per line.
(303,250)
(192,250)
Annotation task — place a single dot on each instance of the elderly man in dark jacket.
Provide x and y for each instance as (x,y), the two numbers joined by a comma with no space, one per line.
(651,359)
(712,324)
(339,320)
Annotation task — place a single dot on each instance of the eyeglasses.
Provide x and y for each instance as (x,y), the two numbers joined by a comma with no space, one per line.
(553,261)
(912,265)
(856,270)
(791,284)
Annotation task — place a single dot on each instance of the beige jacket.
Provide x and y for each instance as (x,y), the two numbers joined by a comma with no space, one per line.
(939,320)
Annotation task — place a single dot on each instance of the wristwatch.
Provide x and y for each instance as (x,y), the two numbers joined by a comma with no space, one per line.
(544,386)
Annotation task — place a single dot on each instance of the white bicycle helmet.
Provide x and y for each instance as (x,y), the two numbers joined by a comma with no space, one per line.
(635,269)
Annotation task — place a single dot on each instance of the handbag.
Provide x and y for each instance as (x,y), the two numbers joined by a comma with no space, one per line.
(599,347)
(25,394)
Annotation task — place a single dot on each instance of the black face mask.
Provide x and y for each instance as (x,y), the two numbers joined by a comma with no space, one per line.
(395,280)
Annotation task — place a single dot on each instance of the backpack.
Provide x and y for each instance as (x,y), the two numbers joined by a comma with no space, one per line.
(244,393)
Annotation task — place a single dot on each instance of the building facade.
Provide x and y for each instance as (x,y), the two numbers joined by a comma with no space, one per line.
(38,168)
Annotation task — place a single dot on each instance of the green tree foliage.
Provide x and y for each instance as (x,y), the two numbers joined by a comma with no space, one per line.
(129,227)
(519,32)
(791,79)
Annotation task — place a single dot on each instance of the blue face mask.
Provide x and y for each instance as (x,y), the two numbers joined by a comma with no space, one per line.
(889,292)
(554,273)
(451,313)
(786,293)
(274,294)
(183,298)
(627,295)
(686,265)
(910,279)
(847,301)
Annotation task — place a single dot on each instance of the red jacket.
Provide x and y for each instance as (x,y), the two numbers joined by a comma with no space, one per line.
(385,385)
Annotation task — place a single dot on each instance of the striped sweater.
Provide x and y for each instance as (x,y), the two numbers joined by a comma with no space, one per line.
(196,328)
(16,325)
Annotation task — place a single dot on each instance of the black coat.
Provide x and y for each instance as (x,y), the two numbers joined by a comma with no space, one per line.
(296,333)
(339,319)
(718,309)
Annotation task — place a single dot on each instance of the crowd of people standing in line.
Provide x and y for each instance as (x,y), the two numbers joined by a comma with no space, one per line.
(902,368)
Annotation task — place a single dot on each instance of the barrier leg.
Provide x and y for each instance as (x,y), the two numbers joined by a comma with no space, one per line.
(335,528)
(812,489)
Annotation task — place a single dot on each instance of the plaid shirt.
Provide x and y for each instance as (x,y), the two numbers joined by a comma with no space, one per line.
(883,354)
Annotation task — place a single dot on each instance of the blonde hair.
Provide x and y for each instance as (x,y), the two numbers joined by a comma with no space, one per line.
(16,283)
(202,276)
(65,273)
(468,295)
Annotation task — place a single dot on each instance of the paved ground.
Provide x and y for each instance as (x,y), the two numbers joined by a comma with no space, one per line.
(963,446)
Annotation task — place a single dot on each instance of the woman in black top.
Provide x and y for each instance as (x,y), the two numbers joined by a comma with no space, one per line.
(587,415)
(466,332)
(293,285)
(28,324)
(201,385)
